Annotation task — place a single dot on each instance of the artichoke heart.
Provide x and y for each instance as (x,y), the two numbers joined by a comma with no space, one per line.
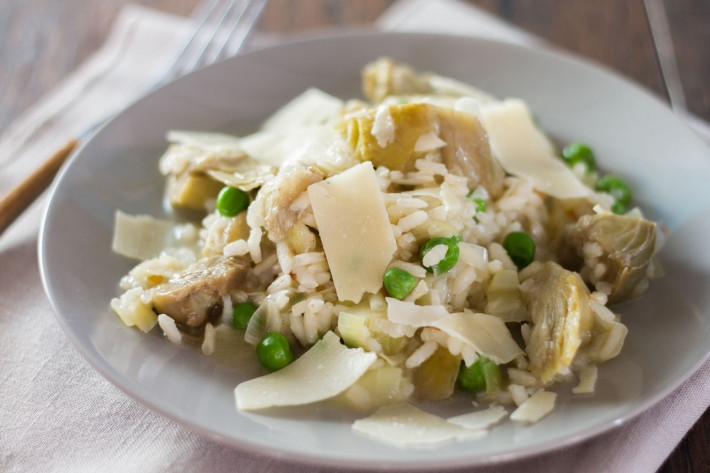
(386,77)
(466,151)
(558,303)
(624,247)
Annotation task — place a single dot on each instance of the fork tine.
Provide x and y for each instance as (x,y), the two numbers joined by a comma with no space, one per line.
(217,24)
(201,14)
(229,22)
(243,27)
(202,56)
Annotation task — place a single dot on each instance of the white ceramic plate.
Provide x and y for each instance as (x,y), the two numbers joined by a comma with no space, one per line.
(633,134)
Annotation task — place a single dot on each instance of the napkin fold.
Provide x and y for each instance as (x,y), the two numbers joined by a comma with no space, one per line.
(60,415)
(117,74)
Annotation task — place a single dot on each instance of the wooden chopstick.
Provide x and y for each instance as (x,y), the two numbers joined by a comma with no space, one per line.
(19,198)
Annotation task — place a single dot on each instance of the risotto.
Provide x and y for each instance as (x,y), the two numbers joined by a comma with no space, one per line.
(425,243)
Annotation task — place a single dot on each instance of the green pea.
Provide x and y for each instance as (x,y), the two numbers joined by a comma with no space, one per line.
(617,187)
(231,201)
(399,283)
(520,247)
(274,351)
(449,260)
(579,153)
(618,208)
(241,314)
(480,203)
(482,374)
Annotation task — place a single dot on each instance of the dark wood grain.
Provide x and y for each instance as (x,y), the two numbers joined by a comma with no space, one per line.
(41,41)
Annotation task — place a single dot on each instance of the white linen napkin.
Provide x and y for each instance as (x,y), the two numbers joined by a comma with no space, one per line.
(59,415)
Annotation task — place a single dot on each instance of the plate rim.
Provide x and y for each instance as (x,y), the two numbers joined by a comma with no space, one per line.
(250,447)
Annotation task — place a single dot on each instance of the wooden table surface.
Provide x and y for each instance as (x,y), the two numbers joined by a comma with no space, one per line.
(41,41)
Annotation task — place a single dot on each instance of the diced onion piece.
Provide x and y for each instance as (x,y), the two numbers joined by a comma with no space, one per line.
(587,380)
(354,229)
(133,311)
(482,419)
(406,425)
(139,237)
(325,370)
(535,408)
(408,313)
(523,150)
(353,330)
(376,388)
(487,334)
(473,255)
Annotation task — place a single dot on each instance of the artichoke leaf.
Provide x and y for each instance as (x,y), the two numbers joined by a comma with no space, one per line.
(627,245)
(559,306)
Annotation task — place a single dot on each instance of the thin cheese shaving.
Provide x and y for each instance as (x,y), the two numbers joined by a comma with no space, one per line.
(355,230)
(140,237)
(587,380)
(487,334)
(406,425)
(482,419)
(523,150)
(408,313)
(324,371)
(535,408)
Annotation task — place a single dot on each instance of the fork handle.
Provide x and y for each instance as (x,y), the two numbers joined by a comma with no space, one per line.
(19,198)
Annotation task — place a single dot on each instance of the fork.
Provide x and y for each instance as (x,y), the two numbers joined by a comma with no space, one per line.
(221,30)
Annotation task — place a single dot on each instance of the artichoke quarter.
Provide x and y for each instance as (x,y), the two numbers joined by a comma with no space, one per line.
(616,250)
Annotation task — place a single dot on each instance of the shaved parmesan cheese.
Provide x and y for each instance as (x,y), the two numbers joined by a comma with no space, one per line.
(406,425)
(408,313)
(518,393)
(448,86)
(311,145)
(482,419)
(312,107)
(383,126)
(523,150)
(354,229)
(428,142)
(139,237)
(587,380)
(487,334)
(609,335)
(522,377)
(214,142)
(324,371)
(535,408)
